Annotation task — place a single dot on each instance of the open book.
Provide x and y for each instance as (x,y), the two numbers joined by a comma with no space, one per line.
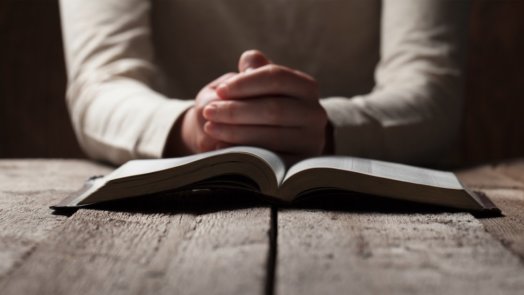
(260,170)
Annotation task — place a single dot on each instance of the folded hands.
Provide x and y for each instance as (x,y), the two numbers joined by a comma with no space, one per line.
(264,104)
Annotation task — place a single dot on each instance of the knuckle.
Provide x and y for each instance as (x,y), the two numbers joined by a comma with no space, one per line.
(275,75)
(232,80)
(274,71)
(228,75)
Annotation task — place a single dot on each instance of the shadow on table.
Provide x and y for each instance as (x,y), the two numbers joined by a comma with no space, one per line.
(192,202)
(208,201)
(339,201)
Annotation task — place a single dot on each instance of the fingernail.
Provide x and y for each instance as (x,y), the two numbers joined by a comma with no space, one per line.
(249,69)
(210,111)
(222,90)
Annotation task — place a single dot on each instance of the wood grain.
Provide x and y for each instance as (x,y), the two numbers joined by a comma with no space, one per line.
(25,220)
(101,252)
(221,246)
(504,184)
(36,175)
(510,228)
(433,253)
(123,249)
(27,189)
(487,177)
(513,169)
(321,252)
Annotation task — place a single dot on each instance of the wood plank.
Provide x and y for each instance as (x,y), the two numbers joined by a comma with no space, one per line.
(327,252)
(513,169)
(504,184)
(103,252)
(428,253)
(487,177)
(224,253)
(27,189)
(190,248)
(38,175)
(510,228)
(25,220)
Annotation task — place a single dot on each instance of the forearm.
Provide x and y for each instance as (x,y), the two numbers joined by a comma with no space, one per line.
(116,113)
(413,112)
(123,119)
(392,126)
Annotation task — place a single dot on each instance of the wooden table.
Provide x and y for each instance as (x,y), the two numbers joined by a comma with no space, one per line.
(252,249)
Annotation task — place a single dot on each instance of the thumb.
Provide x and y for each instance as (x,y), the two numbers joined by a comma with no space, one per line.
(252,59)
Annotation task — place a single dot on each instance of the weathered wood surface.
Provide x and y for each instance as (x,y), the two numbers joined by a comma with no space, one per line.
(359,253)
(143,251)
(504,184)
(210,246)
(27,188)
(333,252)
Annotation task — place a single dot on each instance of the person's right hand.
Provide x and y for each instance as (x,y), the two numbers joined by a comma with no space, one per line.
(269,106)
(187,136)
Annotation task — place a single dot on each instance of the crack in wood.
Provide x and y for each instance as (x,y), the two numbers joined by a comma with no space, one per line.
(269,288)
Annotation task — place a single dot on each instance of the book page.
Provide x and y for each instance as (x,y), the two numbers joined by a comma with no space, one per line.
(274,161)
(394,171)
(237,167)
(138,167)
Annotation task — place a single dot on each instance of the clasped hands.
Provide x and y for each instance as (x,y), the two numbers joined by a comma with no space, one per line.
(264,105)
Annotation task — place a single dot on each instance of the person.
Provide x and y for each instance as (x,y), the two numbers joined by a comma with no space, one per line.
(369,78)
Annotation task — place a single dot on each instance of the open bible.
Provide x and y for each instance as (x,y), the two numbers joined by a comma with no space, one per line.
(259,170)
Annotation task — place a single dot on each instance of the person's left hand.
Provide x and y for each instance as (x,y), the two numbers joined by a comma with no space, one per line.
(269,106)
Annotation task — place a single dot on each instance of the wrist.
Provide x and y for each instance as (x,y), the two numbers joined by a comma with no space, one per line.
(178,140)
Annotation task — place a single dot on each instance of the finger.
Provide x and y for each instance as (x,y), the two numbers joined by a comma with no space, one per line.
(271,111)
(208,93)
(252,59)
(280,139)
(221,79)
(206,143)
(269,80)
(205,96)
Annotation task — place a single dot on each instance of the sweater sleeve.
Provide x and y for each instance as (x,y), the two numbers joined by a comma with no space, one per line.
(413,113)
(116,114)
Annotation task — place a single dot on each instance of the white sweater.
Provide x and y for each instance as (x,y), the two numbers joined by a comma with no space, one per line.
(389,71)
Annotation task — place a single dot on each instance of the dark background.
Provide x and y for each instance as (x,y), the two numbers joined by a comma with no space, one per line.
(34,120)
